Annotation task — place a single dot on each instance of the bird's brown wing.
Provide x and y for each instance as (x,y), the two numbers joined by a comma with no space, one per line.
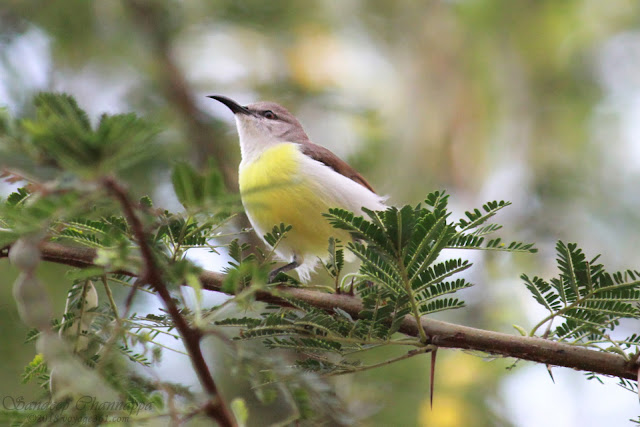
(325,156)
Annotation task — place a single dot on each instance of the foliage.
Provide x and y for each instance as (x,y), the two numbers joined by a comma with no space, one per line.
(588,301)
(464,120)
(61,135)
(403,272)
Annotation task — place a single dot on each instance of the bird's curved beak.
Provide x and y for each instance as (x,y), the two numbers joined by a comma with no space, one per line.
(233,105)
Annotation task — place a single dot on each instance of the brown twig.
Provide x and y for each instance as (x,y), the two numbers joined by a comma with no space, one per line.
(205,140)
(151,274)
(149,20)
(441,334)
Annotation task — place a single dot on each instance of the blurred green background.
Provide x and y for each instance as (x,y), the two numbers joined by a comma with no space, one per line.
(536,102)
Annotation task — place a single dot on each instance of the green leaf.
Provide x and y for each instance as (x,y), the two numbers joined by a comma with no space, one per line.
(438,201)
(377,266)
(123,141)
(436,238)
(240,411)
(438,272)
(277,234)
(237,251)
(381,318)
(18,197)
(194,189)
(36,369)
(477,218)
(213,182)
(543,293)
(440,305)
(246,273)
(487,229)
(399,226)
(438,289)
(187,184)
(335,263)
(590,301)
(38,214)
(361,229)
(311,345)
(61,105)
(61,135)
(477,242)
(248,322)
(145,201)
(520,329)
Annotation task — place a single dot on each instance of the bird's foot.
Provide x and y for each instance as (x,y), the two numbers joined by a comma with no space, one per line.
(274,273)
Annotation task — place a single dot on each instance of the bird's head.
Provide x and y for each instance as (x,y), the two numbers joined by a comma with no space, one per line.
(263,124)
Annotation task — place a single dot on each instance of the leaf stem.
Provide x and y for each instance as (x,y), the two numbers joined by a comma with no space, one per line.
(83,303)
(414,304)
(407,355)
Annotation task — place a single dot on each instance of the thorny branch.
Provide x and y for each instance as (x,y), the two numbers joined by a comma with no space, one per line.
(440,334)
(151,275)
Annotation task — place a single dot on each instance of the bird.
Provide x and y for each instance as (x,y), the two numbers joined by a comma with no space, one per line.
(286,178)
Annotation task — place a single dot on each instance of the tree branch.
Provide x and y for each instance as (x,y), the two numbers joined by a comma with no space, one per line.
(151,274)
(175,87)
(152,20)
(441,334)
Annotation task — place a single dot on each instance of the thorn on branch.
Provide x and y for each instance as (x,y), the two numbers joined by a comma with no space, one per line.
(434,352)
(551,373)
(442,334)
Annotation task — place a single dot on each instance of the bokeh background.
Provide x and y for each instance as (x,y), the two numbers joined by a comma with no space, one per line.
(536,102)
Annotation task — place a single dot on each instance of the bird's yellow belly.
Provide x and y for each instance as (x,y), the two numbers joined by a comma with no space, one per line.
(275,190)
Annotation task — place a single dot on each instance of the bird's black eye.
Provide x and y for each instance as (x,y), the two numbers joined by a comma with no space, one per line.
(268,114)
